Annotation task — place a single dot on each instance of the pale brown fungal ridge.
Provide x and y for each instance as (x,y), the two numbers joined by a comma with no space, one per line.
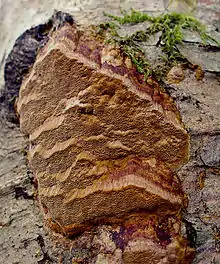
(104,146)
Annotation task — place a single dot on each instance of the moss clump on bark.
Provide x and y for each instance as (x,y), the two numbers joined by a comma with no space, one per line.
(170,26)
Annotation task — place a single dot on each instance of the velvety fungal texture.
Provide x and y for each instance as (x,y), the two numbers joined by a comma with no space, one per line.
(104,147)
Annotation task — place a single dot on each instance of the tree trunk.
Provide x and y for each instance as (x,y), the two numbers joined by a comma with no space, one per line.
(99,238)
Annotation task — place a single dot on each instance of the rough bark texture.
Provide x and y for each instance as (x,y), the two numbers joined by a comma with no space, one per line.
(24,240)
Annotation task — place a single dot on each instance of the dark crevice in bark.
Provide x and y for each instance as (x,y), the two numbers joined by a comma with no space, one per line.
(191,233)
(21,192)
(46,258)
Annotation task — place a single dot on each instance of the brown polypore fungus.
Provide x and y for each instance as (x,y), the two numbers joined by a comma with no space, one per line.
(104,145)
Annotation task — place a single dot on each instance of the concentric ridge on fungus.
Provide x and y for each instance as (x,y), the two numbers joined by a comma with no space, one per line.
(104,146)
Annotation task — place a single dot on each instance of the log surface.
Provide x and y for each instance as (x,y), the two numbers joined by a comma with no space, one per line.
(199,176)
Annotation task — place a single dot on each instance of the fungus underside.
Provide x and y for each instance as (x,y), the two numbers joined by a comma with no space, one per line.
(170,27)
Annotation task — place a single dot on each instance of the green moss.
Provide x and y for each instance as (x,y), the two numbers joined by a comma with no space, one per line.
(106,26)
(133,18)
(171,28)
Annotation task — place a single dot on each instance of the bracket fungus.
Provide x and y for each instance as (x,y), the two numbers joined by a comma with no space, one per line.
(104,146)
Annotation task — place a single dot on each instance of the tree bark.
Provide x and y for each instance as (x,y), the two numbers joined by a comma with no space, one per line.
(23,238)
